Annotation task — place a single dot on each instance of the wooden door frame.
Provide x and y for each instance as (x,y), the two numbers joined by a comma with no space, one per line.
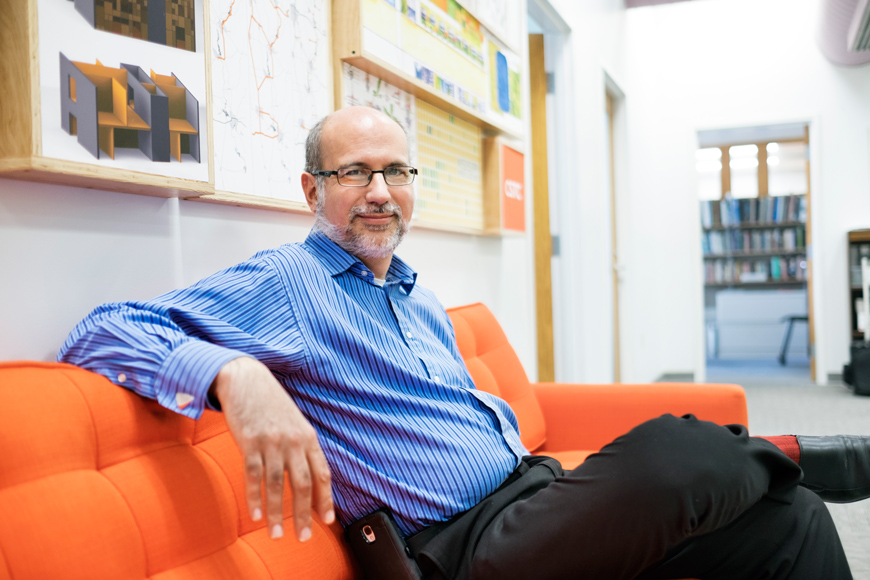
(763,191)
(541,217)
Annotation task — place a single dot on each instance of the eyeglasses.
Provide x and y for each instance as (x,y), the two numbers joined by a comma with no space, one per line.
(362,176)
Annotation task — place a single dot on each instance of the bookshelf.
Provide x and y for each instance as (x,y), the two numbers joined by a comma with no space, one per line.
(751,243)
(859,246)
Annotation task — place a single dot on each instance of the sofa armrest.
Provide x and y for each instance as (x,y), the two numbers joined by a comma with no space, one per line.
(581,416)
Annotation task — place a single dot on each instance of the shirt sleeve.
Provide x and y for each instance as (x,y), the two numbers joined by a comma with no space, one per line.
(171,348)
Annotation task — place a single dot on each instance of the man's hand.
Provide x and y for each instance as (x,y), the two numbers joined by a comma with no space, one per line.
(274,437)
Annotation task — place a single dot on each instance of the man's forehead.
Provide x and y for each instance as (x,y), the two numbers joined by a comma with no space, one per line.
(356,141)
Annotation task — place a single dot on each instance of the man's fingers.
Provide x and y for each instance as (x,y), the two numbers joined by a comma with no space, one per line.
(274,481)
(300,482)
(253,481)
(322,485)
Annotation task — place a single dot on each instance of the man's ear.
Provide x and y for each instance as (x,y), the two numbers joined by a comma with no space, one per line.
(309,187)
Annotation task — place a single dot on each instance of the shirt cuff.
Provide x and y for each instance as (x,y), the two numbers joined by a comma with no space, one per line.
(187,373)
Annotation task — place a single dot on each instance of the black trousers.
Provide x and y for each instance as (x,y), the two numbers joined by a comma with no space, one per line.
(674,498)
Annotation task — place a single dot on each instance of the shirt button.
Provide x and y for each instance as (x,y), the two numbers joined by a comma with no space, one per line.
(409,335)
(122,378)
(437,379)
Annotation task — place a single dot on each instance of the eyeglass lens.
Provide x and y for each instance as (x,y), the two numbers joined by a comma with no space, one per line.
(359,176)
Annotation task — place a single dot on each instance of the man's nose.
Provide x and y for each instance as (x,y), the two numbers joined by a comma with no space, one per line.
(378,192)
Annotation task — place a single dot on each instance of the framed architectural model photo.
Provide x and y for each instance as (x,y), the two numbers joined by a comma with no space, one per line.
(115,95)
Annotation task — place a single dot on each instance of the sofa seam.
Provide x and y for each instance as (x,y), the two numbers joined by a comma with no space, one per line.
(132,515)
(94,431)
(98,466)
(139,528)
(6,564)
(209,555)
(210,437)
(259,556)
(336,545)
(99,470)
(75,385)
(229,483)
(142,454)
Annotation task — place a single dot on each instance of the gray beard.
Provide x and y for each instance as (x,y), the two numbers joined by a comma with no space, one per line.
(361,245)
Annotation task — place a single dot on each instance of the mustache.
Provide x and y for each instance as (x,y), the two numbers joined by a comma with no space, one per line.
(384,208)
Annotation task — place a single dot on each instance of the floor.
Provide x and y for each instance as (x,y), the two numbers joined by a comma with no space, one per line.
(783,400)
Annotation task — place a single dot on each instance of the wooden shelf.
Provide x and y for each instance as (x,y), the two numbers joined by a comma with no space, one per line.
(254,202)
(768,254)
(73,174)
(758,226)
(859,236)
(755,284)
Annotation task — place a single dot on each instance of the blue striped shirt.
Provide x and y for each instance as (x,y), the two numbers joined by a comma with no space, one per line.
(375,369)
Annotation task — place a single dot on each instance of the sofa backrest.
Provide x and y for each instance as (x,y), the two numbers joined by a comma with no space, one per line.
(97,482)
(496,369)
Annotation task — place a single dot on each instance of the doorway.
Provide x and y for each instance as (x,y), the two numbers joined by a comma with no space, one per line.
(754,192)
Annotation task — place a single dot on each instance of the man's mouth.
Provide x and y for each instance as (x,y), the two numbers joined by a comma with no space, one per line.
(377,218)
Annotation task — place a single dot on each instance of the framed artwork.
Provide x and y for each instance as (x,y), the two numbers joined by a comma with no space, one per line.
(271,81)
(123,85)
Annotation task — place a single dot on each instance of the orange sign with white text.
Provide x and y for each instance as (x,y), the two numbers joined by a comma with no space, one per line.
(513,190)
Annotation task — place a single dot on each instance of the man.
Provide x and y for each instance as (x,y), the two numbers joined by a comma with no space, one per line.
(382,412)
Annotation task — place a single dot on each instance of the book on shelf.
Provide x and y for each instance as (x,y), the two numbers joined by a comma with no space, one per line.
(755,270)
(775,270)
(724,242)
(706,215)
(731,212)
(753,277)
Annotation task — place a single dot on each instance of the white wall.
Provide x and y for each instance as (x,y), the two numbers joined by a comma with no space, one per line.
(582,273)
(733,63)
(63,251)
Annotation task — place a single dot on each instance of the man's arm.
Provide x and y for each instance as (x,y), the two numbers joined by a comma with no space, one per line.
(274,437)
(209,339)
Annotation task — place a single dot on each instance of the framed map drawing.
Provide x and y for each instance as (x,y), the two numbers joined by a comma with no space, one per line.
(271,81)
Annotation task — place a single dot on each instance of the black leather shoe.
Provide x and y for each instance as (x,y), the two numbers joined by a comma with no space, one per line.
(837,467)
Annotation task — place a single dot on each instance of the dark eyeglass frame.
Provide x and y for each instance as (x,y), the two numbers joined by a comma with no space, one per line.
(411,170)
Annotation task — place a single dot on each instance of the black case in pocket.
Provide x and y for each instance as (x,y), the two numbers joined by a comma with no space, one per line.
(380,548)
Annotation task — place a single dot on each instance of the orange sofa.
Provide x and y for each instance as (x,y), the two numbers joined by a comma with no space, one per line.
(98,483)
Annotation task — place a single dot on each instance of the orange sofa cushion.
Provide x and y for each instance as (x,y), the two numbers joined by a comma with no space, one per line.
(496,369)
(99,483)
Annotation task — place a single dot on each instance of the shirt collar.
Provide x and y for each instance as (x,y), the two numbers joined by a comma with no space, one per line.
(337,261)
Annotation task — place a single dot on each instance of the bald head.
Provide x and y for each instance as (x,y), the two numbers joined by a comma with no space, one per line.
(341,124)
